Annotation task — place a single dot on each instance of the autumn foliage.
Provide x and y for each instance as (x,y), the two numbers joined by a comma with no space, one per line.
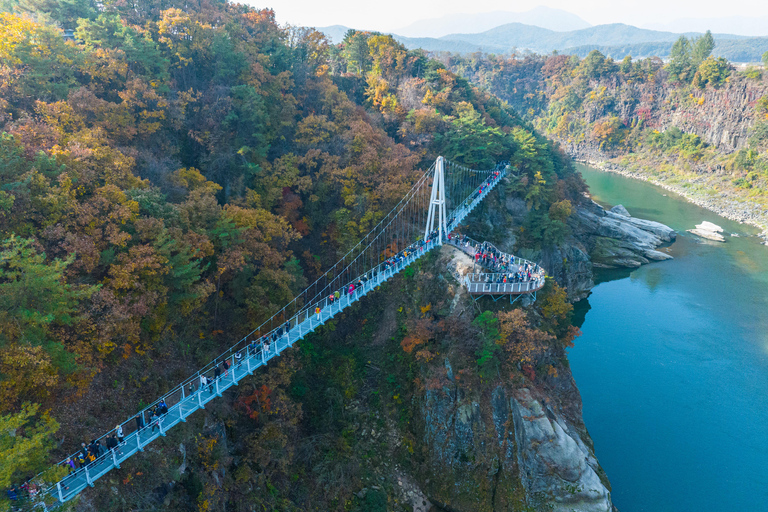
(181,170)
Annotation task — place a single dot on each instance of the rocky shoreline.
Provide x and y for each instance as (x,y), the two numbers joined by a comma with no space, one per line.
(735,212)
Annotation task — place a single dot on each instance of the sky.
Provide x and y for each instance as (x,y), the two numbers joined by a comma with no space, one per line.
(389,15)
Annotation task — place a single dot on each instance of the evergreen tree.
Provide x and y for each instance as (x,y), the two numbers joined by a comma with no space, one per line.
(680,61)
(701,48)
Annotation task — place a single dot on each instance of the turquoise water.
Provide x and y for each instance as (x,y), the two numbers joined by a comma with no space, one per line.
(673,364)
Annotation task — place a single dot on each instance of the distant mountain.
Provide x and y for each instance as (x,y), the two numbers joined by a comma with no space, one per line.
(527,37)
(615,40)
(742,25)
(544,17)
(335,33)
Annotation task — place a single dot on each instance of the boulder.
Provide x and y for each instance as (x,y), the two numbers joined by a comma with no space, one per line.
(619,209)
(709,235)
(708,226)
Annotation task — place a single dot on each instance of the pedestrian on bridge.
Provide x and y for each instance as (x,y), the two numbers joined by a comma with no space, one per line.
(112,443)
(225,365)
(139,421)
(154,420)
(119,432)
(317,312)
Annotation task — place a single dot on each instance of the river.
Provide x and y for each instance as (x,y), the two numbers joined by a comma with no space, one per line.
(672,364)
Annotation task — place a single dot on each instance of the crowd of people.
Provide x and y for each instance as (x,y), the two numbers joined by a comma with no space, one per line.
(506,268)
(206,380)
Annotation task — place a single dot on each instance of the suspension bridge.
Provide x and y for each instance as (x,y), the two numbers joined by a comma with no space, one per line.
(424,218)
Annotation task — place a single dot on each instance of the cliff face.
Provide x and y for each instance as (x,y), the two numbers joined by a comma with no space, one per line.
(511,445)
(512,449)
(722,117)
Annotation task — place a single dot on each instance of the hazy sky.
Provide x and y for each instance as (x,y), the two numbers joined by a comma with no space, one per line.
(388,15)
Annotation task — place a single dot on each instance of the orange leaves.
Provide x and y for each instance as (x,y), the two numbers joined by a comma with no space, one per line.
(572,333)
(410,342)
(419,332)
(259,401)
(133,268)
(522,343)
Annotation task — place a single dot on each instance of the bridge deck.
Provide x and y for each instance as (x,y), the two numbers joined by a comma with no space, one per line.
(487,283)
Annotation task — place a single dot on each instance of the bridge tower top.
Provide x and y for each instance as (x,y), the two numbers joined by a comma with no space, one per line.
(437,203)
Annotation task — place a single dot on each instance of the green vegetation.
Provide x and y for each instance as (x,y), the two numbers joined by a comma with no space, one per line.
(180,171)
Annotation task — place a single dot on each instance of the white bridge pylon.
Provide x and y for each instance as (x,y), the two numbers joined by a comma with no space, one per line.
(437,203)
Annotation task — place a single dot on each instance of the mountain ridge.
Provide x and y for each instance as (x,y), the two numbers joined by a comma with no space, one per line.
(540,16)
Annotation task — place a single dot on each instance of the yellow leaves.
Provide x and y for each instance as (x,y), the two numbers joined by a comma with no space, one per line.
(28,373)
(425,355)
(17,31)
(425,309)
(556,305)
(192,179)
(60,116)
(378,93)
(314,130)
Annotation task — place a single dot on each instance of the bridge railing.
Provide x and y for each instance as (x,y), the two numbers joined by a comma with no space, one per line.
(502,284)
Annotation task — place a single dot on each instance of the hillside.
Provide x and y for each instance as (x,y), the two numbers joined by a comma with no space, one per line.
(748,50)
(176,175)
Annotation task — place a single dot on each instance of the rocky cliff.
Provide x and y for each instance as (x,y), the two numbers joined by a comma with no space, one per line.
(506,445)
(721,116)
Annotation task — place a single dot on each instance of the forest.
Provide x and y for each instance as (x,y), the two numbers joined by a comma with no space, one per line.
(172,173)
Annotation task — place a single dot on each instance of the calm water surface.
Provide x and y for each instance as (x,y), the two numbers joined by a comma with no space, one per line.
(673,364)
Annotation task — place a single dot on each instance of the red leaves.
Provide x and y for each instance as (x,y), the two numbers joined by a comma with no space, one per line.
(259,401)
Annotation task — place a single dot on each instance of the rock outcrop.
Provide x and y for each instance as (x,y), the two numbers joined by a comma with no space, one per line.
(599,238)
(510,450)
(552,457)
(615,239)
